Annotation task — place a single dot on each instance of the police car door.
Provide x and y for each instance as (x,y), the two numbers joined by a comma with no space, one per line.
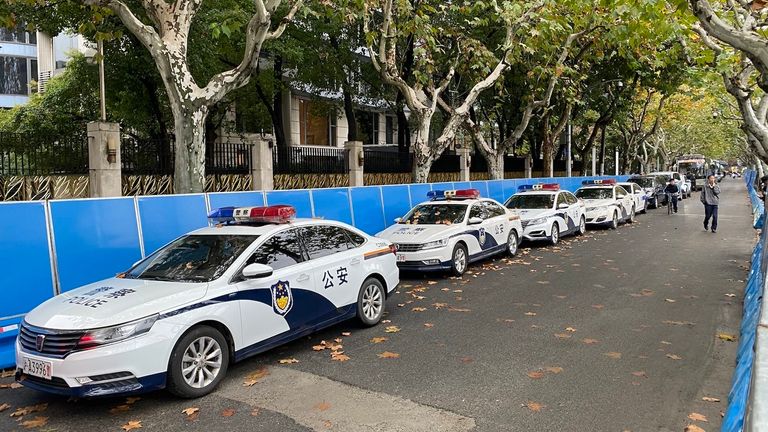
(575,211)
(337,269)
(625,201)
(563,212)
(275,304)
(498,222)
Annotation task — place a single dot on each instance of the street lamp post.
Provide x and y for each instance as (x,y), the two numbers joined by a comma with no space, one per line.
(594,160)
(102,87)
(569,156)
(617,162)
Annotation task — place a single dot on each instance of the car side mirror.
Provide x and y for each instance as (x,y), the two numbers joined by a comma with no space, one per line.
(563,206)
(475,220)
(256,270)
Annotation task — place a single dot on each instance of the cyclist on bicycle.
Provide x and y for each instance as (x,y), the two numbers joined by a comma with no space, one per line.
(672,190)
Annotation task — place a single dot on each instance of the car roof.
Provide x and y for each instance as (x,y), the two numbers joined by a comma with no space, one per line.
(539,192)
(260,230)
(598,186)
(455,201)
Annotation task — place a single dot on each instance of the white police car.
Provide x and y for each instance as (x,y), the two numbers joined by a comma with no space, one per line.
(548,213)
(452,230)
(179,317)
(637,193)
(607,203)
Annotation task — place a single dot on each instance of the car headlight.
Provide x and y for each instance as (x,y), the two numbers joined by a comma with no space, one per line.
(434,244)
(108,335)
(537,221)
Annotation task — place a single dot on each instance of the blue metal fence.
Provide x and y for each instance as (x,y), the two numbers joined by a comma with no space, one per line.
(55,246)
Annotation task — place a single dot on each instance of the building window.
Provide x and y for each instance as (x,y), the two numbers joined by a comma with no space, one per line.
(332,130)
(391,130)
(375,139)
(313,128)
(17,34)
(14,76)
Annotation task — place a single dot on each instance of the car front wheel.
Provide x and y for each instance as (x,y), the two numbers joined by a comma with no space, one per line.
(631,218)
(582,226)
(459,260)
(615,221)
(512,243)
(198,362)
(554,236)
(371,302)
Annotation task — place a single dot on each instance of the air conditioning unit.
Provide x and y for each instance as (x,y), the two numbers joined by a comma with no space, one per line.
(42,80)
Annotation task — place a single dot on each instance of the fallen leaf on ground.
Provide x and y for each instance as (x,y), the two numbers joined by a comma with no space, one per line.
(428,325)
(674,357)
(255,376)
(346,333)
(710,399)
(132,400)
(561,297)
(669,300)
(4,407)
(530,313)
(533,406)
(697,417)
(455,309)
(387,354)
(191,411)
(666,343)
(680,323)
(535,374)
(392,329)
(640,374)
(730,295)
(7,374)
(35,422)
(229,412)
(378,340)
(466,360)
(553,369)
(562,336)
(589,341)
(570,329)
(598,306)
(613,355)
(419,309)
(439,305)
(322,406)
(29,410)
(255,412)
(432,282)
(120,408)
(13,385)
(726,337)
(288,361)
(131,425)
(693,428)
(339,357)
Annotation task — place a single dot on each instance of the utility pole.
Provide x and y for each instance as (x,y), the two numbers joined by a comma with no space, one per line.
(102,87)
(569,156)
(594,160)
(617,161)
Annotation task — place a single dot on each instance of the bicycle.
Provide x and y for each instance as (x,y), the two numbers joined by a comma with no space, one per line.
(669,203)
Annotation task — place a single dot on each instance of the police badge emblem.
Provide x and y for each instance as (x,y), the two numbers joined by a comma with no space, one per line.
(481,236)
(282,298)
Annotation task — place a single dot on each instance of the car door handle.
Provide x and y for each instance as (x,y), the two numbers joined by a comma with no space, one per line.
(355,261)
(303,277)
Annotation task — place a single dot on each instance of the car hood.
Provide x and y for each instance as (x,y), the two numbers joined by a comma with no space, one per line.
(598,202)
(529,214)
(403,233)
(112,301)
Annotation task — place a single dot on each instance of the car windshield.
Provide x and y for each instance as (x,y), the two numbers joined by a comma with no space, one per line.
(436,214)
(663,178)
(645,182)
(595,193)
(525,201)
(192,258)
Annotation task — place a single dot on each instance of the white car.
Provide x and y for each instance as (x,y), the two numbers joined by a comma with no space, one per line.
(683,183)
(548,213)
(638,193)
(607,203)
(217,295)
(453,230)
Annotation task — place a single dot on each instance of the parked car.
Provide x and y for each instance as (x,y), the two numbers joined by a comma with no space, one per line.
(637,193)
(547,213)
(653,187)
(680,180)
(452,230)
(217,295)
(607,203)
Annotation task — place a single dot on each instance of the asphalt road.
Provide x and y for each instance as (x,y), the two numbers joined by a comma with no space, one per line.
(612,331)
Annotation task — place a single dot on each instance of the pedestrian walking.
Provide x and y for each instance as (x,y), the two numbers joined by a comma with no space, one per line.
(710,197)
(672,190)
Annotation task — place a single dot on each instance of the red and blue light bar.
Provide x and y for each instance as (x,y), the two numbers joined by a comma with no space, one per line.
(539,187)
(599,182)
(453,194)
(271,214)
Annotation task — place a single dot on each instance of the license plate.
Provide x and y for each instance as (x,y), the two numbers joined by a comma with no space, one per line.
(37,368)
(400,258)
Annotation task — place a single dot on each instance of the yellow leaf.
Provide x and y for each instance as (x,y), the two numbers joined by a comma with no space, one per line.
(553,369)
(674,357)
(530,313)
(562,336)
(191,410)
(535,374)
(697,417)
(693,428)
(319,347)
(288,361)
(387,354)
(378,340)
(131,425)
(589,341)
(726,337)
(346,333)
(29,410)
(613,355)
(570,329)
(35,422)
(339,357)
(322,406)
(392,329)
(4,407)
(705,399)
(419,309)
(255,376)
(428,325)
(533,406)
(255,412)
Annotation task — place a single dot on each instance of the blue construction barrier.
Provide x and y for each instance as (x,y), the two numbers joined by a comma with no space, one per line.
(733,421)
(55,246)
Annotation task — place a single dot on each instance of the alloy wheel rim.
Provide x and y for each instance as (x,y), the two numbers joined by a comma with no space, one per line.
(372,301)
(201,362)
(512,243)
(555,234)
(582,226)
(459,260)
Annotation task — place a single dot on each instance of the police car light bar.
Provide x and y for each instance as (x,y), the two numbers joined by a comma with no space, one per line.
(454,194)
(540,186)
(599,182)
(222,215)
(271,214)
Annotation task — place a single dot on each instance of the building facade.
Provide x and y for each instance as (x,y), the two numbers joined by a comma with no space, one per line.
(18,65)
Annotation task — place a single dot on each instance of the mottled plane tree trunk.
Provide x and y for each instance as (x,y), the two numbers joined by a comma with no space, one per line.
(166,39)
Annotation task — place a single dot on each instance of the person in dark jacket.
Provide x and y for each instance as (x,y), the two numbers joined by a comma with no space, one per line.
(672,190)
(710,197)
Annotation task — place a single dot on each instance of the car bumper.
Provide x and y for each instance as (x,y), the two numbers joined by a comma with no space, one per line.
(137,365)
(598,217)
(536,232)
